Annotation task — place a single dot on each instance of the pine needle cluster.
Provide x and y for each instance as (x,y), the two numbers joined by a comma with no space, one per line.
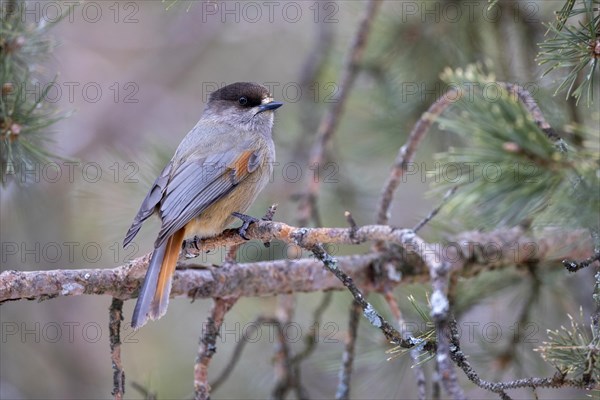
(575,47)
(510,171)
(25,113)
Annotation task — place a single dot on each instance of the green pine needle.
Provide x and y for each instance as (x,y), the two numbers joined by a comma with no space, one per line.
(25,119)
(509,169)
(511,172)
(575,48)
(426,336)
(573,350)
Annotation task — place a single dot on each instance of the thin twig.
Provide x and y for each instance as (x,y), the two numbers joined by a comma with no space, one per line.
(531,295)
(436,386)
(288,375)
(369,311)
(436,210)
(414,353)
(114,328)
(345,374)
(238,350)
(283,367)
(148,395)
(534,110)
(311,106)
(330,120)
(311,342)
(439,270)
(208,345)
(419,374)
(558,380)
(353,226)
(407,152)
(596,313)
(231,255)
(574,266)
(446,368)
(270,212)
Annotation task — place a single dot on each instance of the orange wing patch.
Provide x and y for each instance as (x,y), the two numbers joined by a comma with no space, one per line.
(243,165)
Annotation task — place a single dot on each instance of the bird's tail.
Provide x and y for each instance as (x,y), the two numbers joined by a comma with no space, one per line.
(153,299)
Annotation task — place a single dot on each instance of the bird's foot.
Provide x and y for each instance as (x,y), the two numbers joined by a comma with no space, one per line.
(191,247)
(247,220)
(195,242)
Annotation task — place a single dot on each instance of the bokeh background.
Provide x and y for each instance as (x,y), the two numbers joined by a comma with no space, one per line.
(134,76)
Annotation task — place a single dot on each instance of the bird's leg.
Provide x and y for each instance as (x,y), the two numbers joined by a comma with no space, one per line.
(195,241)
(247,220)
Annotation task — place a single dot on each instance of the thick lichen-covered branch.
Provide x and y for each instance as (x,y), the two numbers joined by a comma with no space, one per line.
(470,253)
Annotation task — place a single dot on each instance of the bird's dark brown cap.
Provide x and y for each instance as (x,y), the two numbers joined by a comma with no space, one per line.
(254,93)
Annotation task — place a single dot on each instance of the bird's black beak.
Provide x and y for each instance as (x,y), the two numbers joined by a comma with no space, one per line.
(274,105)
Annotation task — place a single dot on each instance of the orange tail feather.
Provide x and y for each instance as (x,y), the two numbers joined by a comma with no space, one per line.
(153,299)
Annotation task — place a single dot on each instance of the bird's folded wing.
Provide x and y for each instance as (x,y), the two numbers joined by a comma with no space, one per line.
(149,204)
(198,183)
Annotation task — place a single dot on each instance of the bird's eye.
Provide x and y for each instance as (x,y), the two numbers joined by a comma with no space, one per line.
(243,101)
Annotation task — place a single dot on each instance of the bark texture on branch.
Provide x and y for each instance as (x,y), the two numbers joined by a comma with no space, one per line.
(469,253)
(208,346)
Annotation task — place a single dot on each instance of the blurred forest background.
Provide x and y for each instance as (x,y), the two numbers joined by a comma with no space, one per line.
(134,77)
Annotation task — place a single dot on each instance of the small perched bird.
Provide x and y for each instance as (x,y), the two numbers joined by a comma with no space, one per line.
(216,173)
